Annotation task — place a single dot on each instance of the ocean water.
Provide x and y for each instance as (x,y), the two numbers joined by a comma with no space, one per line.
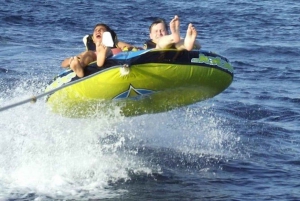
(243,144)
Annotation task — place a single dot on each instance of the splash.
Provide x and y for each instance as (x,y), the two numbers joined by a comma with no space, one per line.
(194,138)
(46,155)
(49,156)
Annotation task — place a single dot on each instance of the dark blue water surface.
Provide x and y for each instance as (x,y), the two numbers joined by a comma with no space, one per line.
(243,144)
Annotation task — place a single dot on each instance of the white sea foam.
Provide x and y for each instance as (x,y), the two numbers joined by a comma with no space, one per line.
(54,156)
(50,155)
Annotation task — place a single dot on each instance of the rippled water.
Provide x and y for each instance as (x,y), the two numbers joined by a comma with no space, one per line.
(240,145)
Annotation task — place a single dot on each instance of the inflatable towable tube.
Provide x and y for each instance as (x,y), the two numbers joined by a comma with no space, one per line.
(141,82)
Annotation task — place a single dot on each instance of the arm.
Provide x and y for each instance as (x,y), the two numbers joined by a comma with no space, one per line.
(122,45)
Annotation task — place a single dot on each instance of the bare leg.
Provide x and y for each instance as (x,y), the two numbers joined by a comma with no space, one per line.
(190,38)
(102,53)
(75,65)
(87,57)
(167,40)
(175,30)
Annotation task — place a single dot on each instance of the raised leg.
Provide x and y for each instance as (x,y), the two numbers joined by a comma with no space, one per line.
(102,53)
(190,38)
(167,40)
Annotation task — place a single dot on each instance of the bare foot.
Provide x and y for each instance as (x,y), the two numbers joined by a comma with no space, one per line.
(75,65)
(175,30)
(190,38)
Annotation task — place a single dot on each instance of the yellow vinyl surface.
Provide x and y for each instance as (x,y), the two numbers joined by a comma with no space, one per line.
(147,88)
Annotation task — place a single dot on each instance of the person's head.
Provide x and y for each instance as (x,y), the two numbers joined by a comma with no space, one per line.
(99,29)
(158,28)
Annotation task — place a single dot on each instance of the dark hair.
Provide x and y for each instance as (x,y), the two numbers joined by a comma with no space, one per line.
(112,32)
(90,45)
(157,21)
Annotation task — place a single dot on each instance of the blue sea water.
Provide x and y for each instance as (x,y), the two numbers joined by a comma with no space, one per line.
(243,144)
